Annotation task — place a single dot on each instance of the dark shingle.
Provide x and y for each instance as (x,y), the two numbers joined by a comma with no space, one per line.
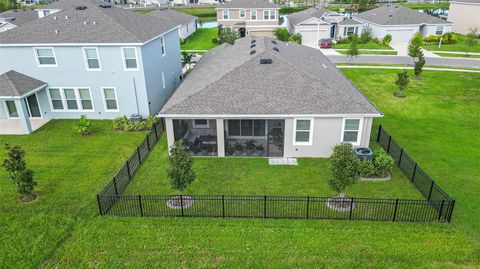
(17,84)
(249,4)
(398,15)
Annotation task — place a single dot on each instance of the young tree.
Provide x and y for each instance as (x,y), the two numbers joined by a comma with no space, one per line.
(353,49)
(387,39)
(226,35)
(419,65)
(471,39)
(366,35)
(180,172)
(19,174)
(344,165)
(82,126)
(186,58)
(415,45)
(402,82)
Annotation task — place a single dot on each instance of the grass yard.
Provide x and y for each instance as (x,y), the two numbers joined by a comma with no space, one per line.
(203,14)
(444,5)
(200,40)
(369,45)
(393,52)
(459,46)
(470,56)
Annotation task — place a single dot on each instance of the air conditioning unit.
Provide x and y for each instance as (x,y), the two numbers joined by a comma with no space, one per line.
(364,153)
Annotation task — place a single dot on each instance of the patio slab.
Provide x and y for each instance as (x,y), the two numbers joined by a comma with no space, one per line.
(14,126)
(282,161)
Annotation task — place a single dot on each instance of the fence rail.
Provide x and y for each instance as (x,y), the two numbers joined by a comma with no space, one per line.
(438,205)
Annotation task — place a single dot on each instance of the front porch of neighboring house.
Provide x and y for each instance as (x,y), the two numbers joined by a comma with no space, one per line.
(20,111)
(229,137)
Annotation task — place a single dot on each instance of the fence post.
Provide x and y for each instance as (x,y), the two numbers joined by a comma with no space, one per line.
(451,210)
(140,203)
(441,209)
(351,209)
(414,172)
(389,141)
(156,132)
(223,206)
(308,205)
(181,203)
(379,132)
(431,188)
(99,205)
(148,143)
(139,157)
(395,211)
(128,170)
(115,185)
(265,207)
(400,158)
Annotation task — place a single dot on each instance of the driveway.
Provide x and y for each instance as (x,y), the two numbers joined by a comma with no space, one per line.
(400,47)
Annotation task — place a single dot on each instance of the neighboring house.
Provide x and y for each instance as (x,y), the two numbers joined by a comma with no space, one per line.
(249,17)
(401,23)
(187,23)
(96,60)
(288,100)
(16,17)
(316,23)
(464,14)
(187,2)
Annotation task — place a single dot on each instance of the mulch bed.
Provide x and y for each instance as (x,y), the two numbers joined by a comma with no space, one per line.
(176,202)
(338,203)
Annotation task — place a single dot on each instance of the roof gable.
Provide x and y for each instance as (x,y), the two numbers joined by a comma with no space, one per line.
(15,84)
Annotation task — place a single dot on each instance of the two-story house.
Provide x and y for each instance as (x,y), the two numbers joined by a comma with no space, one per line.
(88,58)
(249,17)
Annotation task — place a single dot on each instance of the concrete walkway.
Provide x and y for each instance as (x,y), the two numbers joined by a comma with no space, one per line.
(400,47)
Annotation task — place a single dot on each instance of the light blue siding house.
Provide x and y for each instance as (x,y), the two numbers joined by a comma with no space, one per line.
(94,60)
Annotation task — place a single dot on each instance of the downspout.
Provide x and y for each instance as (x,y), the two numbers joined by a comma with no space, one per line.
(318,31)
(136,97)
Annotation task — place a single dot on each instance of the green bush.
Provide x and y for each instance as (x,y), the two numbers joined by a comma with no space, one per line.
(282,34)
(343,41)
(344,167)
(82,126)
(182,41)
(383,163)
(386,40)
(296,38)
(366,168)
(366,35)
(124,124)
(432,39)
(449,38)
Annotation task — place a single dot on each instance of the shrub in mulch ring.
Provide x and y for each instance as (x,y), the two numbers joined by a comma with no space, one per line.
(338,203)
(176,202)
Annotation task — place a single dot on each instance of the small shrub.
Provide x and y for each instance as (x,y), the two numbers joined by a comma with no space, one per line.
(16,166)
(432,39)
(282,34)
(82,126)
(366,168)
(250,144)
(182,41)
(366,35)
(238,147)
(296,38)
(387,39)
(343,41)
(124,124)
(449,38)
(352,37)
(383,163)
(119,123)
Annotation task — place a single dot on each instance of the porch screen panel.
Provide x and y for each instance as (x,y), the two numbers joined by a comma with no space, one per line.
(259,127)
(234,127)
(247,128)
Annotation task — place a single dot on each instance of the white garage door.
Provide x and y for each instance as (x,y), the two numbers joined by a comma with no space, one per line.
(401,35)
(310,38)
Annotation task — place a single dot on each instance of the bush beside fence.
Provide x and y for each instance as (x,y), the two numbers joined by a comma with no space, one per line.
(438,205)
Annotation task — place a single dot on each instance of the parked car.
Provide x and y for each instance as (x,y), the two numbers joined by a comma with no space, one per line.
(325,43)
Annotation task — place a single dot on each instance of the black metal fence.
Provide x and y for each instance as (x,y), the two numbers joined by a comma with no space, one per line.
(437,207)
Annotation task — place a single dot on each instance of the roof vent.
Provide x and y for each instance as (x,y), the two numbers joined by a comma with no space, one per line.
(66,17)
(56,31)
(396,6)
(253,45)
(105,5)
(15,10)
(253,41)
(81,7)
(265,61)
(54,18)
(252,52)
(94,23)
(390,15)
(276,49)
(274,42)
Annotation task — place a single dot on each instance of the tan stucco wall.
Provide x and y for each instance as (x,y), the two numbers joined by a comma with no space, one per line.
(464,16)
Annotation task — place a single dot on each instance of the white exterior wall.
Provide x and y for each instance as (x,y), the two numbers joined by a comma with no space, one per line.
(464,16)
(187,29)
(431,29)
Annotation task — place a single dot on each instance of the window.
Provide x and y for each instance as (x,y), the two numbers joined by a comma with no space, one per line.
(246,128)
(242,13)
(225,15)
(272,14)
(56,99)
(162,43)
(439,30)
(71,99)
(253,15)
(349,31)
(351,131)
(110,98)
(45,57)
(265,14)
(11,109)
(303,132)
(46,13)
(163,79)
(85,99)
(91,58)
(200,124)
(130,58)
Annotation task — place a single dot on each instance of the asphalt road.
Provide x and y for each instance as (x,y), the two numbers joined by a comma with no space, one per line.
(380,59)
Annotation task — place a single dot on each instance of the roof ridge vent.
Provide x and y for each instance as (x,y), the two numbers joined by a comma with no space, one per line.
(253,41)
(274,42)
(105,5)
(252,52)
(81,7)
(265,61)
(253,45)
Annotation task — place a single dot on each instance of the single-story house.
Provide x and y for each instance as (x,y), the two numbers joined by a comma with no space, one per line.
(188,23)
(401,23)
(464,14)
(264,97)
(316,23)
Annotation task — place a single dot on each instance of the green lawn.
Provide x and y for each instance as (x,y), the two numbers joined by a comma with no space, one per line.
(369,45)
(459,46)
(201,39)
(203,14)
(428,6)
(471,56)
(371,52)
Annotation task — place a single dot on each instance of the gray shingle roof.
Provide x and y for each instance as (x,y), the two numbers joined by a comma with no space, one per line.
(398,15)
(349,21)
(229,80)
(92,25)
(249,4)
(314,12)
(178,17)
(17,84)
(19,16)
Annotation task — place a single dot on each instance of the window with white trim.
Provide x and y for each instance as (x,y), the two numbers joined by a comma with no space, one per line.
(70,98)
(246,128)
(303,132)
(242,13)
(85,98)
(439,30)
(162,43)
(351,131)
(265,14)
(55,98)
(350,30)
(110,98)
(253,15)
(272,14)
(200,123)
(46,13)
(130,58)
(91,58)
(163,79)
(225,14)
(11,109)
(46,57)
